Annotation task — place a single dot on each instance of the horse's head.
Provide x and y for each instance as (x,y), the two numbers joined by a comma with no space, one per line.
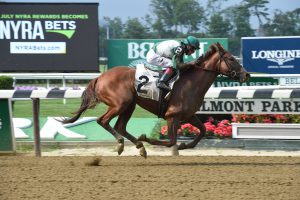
(223,62)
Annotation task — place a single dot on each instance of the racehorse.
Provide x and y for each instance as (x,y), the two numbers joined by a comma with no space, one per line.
(115,88)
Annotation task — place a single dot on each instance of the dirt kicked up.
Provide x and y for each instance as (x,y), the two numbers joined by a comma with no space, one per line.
(132,177)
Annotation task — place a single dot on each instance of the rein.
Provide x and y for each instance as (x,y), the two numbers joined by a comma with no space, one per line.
(230,73)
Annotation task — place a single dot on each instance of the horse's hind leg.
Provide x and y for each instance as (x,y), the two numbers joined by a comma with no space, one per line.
(173,125)
(104,122)
(195,122)
(120,127)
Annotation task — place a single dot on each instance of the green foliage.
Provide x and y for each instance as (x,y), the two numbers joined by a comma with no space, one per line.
(115,27)
(6,82)
(176,15)
(158,28)
(177,19)
(241,19)
(135,29)
(284,24)
(259,9)
(234,45)
(219,27)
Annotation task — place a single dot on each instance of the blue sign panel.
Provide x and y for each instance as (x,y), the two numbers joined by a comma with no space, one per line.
(271,55)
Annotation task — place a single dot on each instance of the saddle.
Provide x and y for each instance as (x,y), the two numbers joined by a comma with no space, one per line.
(145,84)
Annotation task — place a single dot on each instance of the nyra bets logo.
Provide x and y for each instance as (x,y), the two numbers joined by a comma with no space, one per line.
(23,33)
(281,57)
(35,33)
(31,30)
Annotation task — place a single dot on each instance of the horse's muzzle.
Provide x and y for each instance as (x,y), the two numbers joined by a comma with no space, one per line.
(244,77)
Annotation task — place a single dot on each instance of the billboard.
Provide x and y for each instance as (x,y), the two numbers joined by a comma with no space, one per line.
(223,81)
(271,55)
(56,37)
(132,51)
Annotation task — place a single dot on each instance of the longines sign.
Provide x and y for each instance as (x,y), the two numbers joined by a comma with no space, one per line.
(272,55)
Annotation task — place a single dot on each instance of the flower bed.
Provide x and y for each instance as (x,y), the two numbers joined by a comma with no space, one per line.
(218,129)
(223,129)
(214,129)
(270,118)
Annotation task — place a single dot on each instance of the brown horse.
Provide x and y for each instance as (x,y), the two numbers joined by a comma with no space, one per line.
(116,89)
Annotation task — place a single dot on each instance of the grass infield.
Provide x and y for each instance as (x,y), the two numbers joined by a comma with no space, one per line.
(56,107)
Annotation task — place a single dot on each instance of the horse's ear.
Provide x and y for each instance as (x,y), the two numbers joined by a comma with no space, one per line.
(214,47)
(219,46)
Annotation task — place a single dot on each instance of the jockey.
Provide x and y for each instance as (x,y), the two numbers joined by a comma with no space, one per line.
(169,55)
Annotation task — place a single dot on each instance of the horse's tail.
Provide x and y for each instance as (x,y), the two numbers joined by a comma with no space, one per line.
(88,100)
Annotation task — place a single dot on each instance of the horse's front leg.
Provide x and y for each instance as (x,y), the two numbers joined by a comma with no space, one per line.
(173,125)
(195,122)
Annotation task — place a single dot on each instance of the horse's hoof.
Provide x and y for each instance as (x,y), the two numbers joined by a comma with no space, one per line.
(120,140)
(139,144)
(175,150)
(182,146)
(143,152)
(142,137)
(120,148)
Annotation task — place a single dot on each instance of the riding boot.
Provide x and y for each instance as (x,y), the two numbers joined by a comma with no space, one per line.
(163,81)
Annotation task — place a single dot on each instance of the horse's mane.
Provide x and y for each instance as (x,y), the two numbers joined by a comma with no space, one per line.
(208,54)
(212,49)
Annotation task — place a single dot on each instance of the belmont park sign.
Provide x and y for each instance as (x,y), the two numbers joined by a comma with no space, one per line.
(251,106)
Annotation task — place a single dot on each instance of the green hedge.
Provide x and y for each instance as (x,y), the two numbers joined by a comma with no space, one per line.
(6,82)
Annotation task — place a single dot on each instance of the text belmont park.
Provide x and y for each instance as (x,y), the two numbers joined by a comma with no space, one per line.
(251,106)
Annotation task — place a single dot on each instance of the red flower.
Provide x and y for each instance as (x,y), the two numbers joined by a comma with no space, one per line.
(164,130)
(234,119)
(185,129)
(225,121)
(210,119)
(229,129)
(267,120)
(188,129)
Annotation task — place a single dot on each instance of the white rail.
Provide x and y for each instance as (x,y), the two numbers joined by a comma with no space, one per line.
(89,76)
(51,76)
(79,76)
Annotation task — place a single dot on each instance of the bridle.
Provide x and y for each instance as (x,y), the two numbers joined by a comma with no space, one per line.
(231,73)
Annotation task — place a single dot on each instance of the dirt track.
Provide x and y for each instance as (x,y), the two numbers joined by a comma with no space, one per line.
(26,177)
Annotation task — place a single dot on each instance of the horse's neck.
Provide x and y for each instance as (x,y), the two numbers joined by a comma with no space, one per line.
(201,80)
(209,72)
(206,78)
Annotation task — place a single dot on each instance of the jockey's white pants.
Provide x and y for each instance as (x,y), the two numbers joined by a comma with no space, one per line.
(156,59)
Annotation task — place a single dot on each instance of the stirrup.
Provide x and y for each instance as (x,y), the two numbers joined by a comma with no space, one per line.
(163,85)
(167,97)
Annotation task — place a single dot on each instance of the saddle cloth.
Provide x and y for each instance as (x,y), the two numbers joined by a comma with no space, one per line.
(146,81)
